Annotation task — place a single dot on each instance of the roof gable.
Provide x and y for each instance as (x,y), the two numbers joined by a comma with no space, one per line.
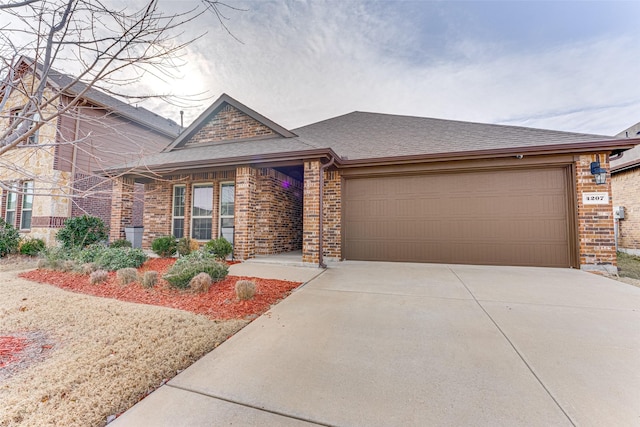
(228,120)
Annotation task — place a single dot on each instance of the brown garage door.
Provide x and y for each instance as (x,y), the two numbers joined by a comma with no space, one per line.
(506,217)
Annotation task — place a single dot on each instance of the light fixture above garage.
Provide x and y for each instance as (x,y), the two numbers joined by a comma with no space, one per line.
(599,174)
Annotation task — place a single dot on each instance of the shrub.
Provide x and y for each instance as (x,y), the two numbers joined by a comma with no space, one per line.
(120,243)
(186,245)
(88,267)
(149,279)
(68,265)
(53,258)
(82,231)
(126,276)
(9,238)
(98,276)
(112,259)
(245,289)
(220,247)
(32,247)
(200,283)
(164,246)
(91,253)
(187,267)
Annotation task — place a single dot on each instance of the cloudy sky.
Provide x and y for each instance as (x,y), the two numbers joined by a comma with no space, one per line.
(572,65)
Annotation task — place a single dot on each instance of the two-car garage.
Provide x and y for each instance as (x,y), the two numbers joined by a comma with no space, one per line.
(511,216)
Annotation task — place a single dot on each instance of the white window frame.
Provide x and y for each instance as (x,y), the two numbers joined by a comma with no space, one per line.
(12,195)
(27,192)
(194,217)
(220,216)
(33,139)
(173,208)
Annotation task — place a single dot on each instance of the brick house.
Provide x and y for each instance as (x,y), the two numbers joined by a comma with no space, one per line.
(625,186)
(53,175)
(379,187)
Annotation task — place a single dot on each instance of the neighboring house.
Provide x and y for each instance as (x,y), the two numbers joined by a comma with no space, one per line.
(625,186)
(53,175)
(390,188)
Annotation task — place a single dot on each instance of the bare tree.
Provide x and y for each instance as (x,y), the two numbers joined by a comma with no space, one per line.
(57,54)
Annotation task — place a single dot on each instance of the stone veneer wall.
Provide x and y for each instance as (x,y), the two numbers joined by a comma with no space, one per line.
(229,124)
(625,187)
(332,211)
(595,222)
(278,213)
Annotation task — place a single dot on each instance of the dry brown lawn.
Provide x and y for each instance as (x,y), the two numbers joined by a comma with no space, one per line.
(91,357)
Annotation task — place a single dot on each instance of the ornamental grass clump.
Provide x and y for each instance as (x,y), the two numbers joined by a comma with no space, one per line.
(126,276)
(98,276)
(149,279)
(201,283)
(113,259)
(245,289)
(187,267)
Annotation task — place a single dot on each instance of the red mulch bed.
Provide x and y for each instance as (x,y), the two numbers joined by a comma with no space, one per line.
(10,346)
(219,303)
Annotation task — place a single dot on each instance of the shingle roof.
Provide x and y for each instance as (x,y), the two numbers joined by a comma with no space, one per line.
(630,158)
(361,135)
(136,114)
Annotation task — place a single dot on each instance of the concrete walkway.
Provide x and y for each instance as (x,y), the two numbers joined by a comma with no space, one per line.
(389,344)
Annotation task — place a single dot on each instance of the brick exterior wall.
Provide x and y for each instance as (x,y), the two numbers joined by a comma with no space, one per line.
(93,197)
(332,211)
(625,186)
(121,208)
(229,124)
(595,222)
(245,213)
(311,213)
(278,213)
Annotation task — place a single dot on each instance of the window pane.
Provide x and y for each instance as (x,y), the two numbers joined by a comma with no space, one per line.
(178,228)
(11,201)
(201,229)
(227,195)
(178,201)
(26,220)
(27,198)
(10,217)
(203,201)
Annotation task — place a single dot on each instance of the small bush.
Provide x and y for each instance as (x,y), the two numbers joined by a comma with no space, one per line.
(91,253)
(245,289)
(112,259)
(187,267)
(88,267)
(32,247)
(68,265)
(164,246)
(126,276)
(82,231)
(149,279)
(120,243)
(220,247)
(186,245)
(200,283)
(53,258)
(9,238)
(98,276)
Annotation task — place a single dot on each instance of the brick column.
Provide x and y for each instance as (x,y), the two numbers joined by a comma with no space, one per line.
(121,207)
(311,213)
(595,222)
(244,245)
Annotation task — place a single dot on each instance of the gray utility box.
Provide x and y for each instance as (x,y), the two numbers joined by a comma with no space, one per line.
(134,235)
(618,212)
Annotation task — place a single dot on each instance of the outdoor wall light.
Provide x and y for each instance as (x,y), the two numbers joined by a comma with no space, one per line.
(599,174)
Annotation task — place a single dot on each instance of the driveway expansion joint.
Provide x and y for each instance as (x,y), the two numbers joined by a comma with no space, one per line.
(520,355)
(246,405)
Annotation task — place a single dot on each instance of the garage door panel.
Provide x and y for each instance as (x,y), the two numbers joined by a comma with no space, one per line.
(513,217)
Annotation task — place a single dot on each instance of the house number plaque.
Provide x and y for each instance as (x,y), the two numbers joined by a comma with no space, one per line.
(595,198)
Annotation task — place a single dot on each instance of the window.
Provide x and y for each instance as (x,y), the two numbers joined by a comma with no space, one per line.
(202,211)
(227,207)
(27,205)
(33,139)
(12,202)
(178,211)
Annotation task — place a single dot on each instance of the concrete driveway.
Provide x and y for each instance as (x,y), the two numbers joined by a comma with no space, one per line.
(390,344)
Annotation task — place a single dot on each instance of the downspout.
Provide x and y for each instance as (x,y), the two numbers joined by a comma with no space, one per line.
(321,263)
